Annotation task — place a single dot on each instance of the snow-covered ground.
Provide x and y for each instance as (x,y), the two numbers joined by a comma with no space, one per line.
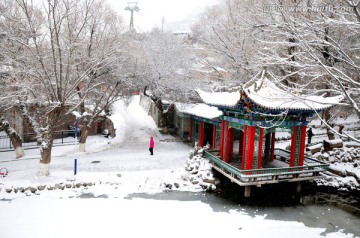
(97,204)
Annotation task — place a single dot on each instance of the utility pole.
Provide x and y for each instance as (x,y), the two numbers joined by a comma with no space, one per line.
(132,6)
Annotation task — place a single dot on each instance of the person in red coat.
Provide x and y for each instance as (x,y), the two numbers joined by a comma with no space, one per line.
(151,148)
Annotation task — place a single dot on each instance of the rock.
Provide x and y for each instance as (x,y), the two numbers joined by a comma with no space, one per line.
(21,189)
(355,165)
(314,148)
(217,182)
(50,188)
(188,169)
(204,186)
(331,144)
(184,178)
(195,182)
(33,189)
(332,160)
(168,185)
(209,180)
(41,187)
(118,175)
(325,156)
(78,185)
(68,185)
(194,172)
(317,156)
(176,185)
(61,186)
(8,190)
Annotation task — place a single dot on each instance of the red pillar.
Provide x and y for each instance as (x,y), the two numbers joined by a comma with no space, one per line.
(201,139)
(261,135)
(214,137)
(302,145)
(222,139)
(250,152)
(191,129)
(272,156)
(243,156)
(293,147)
(227,142)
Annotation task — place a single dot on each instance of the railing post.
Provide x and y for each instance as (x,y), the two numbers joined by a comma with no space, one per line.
(10,142)
(62,136)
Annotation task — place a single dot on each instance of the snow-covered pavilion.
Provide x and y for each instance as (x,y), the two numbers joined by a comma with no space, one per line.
(251,116)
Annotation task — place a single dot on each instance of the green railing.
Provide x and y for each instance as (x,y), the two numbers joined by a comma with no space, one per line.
(312,166)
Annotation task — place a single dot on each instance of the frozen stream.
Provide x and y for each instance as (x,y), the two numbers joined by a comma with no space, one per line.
(317,212)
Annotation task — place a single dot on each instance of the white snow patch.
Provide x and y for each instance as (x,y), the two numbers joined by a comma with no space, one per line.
(205,111)
(219,98)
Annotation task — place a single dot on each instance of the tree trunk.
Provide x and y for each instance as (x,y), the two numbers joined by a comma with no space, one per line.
(163,116)
(17,143)
(84,135)
(45,151)
(14,137)
(327,118)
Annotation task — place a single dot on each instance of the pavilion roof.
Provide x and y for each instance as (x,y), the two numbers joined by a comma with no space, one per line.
(225,99)
(200,110)
(266,94)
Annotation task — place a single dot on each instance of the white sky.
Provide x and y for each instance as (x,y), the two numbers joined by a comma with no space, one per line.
(152,11)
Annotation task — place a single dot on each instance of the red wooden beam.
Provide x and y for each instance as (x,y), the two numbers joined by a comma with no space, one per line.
(244,149)
(227,144)
(293,147)
(222,139)
(250,153)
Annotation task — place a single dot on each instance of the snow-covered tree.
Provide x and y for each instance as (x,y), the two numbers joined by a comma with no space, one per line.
(5,97)
(310,46)
(48,45)
(225,29)
(108,83)
(306,42)
(14,137)
(165,64)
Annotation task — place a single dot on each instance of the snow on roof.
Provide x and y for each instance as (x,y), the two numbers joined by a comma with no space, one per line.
(204,111)
(266,94)
(182,107)
(229,99)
